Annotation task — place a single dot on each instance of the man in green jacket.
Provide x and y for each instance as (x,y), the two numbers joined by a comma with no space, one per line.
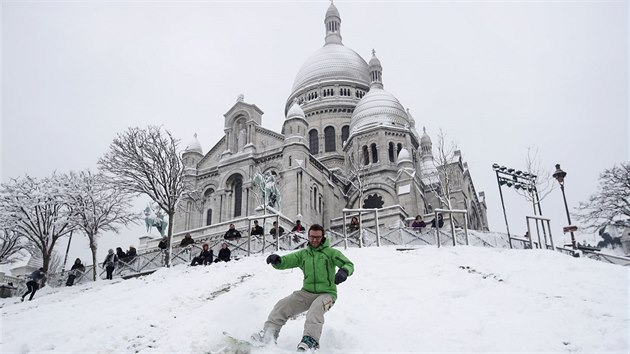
(318,262)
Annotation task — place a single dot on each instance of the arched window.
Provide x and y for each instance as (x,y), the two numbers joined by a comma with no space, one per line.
(391,152)
(313,142)
(345,132)
(398,149)
(315,198)
(366,155)
(236,184)
(373,201)
(329,139)
(374,153)
(209,217)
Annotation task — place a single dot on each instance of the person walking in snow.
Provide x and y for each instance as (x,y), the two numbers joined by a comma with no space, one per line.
(110,263)
(318,262)
(38,278)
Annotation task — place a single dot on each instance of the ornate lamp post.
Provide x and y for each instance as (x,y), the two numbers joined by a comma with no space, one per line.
(559,176)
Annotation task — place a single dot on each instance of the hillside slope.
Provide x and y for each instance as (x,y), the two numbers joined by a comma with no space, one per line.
(462,299)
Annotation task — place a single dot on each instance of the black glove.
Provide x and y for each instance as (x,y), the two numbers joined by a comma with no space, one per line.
(341,276)
(274,259)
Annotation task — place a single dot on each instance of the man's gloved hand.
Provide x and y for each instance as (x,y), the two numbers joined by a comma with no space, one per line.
(274,259)
(341,276)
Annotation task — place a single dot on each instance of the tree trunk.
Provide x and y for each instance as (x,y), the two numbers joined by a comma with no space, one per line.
(93,249)
(170,239)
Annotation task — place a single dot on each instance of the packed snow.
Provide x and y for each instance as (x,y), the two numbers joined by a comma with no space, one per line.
(427,299)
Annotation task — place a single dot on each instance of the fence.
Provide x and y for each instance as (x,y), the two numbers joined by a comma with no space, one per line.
(341,236)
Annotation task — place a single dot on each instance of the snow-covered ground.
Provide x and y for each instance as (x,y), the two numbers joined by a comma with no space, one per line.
(451,299)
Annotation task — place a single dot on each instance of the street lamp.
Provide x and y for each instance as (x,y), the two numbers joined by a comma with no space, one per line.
(559,176)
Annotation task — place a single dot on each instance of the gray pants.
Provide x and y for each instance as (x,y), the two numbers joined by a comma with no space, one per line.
(295,304)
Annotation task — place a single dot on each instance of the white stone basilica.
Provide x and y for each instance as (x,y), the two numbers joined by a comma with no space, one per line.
(340,123)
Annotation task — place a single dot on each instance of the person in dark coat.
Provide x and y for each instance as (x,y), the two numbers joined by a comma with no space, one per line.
(272,232)
(120,253)
(298,228)
(131,254)
(75,271)
(232,233)
(224,254)
(205,257)
(163,245)
(38,278)
(354,224)
(257,230)
(110,263)
(418,224)
(440,221)
(187,240)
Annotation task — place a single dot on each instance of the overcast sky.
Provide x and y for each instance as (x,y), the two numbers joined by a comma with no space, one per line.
(497,76)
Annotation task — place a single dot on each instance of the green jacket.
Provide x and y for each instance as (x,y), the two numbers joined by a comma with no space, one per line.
(318,265)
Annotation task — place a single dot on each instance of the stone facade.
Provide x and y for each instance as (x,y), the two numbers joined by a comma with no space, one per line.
(345,143)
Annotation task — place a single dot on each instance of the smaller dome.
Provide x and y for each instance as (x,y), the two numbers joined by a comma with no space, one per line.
(378,107)
(374,61)
(194,145)
(403,156)
(332,11)
(425,140)
(295,111)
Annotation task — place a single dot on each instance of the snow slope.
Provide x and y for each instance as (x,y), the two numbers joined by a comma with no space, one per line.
(451,299)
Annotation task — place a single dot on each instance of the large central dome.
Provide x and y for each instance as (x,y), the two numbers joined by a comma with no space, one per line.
(334,74)
(332,62)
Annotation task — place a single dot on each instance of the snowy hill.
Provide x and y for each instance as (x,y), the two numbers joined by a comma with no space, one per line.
(455,299)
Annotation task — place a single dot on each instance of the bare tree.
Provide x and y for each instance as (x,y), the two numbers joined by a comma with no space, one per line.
(11,246)
(147,161)
(443,178)
(611,203)
(97,207)
(538,181)
(356,178)
(38,210)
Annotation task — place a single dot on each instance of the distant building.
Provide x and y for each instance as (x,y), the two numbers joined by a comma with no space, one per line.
(339,122)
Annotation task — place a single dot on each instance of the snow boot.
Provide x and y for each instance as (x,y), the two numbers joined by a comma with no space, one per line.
(265,337)
(308,343)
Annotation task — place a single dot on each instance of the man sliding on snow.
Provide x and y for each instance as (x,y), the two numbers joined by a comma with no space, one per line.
(319,291)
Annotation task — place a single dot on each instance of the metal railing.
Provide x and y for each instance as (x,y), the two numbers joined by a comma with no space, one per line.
(341,236)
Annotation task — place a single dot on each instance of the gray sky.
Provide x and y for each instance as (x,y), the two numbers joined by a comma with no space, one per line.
(497,76)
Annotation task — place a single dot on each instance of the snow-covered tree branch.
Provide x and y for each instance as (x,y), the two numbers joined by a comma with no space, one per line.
(97,207)
(611,203)
(11,245)
(37,209)
(147,161)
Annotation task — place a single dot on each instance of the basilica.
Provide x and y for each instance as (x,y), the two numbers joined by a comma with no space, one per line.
(346,144)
